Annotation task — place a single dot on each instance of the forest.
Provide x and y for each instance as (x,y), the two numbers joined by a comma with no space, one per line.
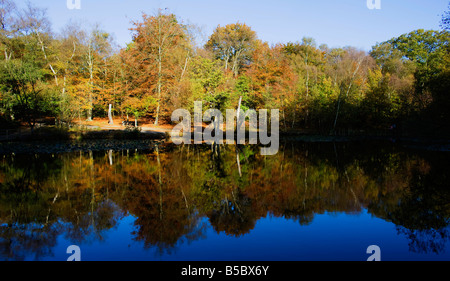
(74,75)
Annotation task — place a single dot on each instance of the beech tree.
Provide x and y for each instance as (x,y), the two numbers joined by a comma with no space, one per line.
(97,49)
(69,49)
(233,44)
(153,56)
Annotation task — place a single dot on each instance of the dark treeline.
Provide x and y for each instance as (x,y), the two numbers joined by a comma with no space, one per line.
(401,84)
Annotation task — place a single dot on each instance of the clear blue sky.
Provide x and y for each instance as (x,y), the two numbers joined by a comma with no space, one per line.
(337,23)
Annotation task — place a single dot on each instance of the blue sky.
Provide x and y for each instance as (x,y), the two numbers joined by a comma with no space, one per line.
(337,23)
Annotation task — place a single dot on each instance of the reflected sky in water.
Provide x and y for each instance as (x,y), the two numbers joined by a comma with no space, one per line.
(309,202)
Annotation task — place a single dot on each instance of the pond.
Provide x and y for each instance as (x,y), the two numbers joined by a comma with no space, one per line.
(309,202)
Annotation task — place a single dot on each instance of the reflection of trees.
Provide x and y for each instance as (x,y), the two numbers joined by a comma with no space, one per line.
(17,241)
(426,240)
(25,229)
(423,213)
(89,226)
(43,197)
(397,186)
(234,215)
(172,190)
(156,193)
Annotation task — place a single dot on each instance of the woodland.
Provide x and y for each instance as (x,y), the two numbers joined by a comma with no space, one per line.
(400,85)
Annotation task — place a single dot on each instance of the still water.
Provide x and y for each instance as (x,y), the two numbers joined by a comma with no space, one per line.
(327,201)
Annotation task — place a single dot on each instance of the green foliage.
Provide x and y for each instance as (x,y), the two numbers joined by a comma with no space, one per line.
(208,84)
(77,74)
(19,83)
(428,50)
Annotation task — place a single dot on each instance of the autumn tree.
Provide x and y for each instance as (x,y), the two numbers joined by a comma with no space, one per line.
(97,48)
(307,62)
(159,43)
(69,45)
(306,59)
(272,80)
(110,90)
(233,45)
(350,72)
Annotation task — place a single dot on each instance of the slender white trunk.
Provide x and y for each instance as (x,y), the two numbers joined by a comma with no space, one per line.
(109,115)
(91,82)
(238,124)
(185,66)
(238,162)
(159,70)
(41,42)
(346,94)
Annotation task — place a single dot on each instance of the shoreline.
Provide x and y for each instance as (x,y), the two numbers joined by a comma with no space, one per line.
(114,140)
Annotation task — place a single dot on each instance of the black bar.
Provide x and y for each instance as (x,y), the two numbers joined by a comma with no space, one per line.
(223,270)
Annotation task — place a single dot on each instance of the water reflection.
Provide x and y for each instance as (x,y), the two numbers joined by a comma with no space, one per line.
(170,190)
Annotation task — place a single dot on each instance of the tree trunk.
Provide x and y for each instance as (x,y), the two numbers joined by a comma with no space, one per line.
(159,88)
(238,162)
(41,42)
(346,94)
(109,115)
(238,125)
(89,117)
(159,71)
(160,184)
(91,81)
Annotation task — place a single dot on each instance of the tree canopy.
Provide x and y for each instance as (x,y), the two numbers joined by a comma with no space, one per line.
(73,75)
